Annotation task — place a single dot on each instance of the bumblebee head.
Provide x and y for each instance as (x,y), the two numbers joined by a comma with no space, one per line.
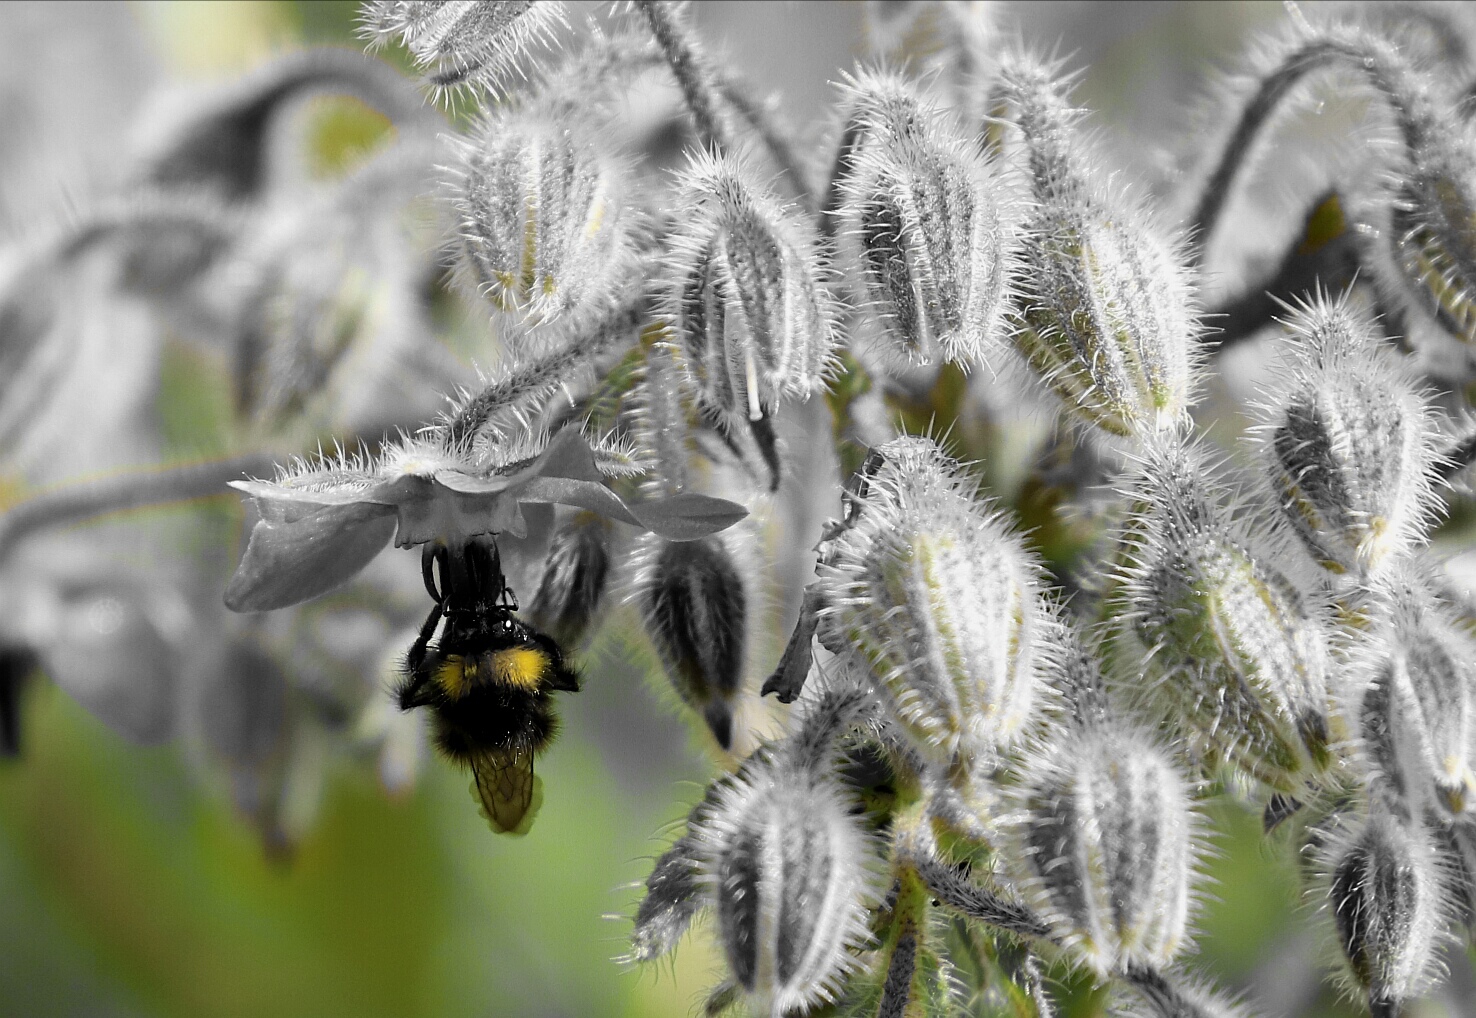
(471,578)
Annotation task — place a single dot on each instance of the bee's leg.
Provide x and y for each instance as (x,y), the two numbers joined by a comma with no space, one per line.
(413,692)
(430,553)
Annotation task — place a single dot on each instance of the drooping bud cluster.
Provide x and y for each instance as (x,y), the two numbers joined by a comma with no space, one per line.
(475,42)
(1236,652)
(1417,714)
(1107,316)
(1105,842)
(933,588)
(747,301)
(545,225)
(1388,903)
(1350,444)
(921,224)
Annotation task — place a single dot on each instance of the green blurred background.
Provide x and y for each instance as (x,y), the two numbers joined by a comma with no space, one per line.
(128,887)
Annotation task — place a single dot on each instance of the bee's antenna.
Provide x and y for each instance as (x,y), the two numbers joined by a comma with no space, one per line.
(430,553)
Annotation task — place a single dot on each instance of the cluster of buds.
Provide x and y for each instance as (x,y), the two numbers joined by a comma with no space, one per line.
(993,761)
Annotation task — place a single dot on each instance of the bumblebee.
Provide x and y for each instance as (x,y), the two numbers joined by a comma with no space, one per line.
(488,680)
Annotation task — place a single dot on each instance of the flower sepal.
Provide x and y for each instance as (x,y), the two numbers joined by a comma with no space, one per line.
(318,528)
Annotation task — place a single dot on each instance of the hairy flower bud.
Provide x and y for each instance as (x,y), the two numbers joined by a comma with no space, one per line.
(544,229)
(920,221)
(573,580)
(788,866)
(464,41)
(1106,848)
(697,613)
(1388,904)
(747,302)
(1417,714)
(1108,316)
(942,598)
(1237,652)
(1350,444)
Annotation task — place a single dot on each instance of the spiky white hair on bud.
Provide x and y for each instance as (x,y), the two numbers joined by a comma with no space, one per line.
(1349,442)
(1108,315)
(937,592)
(1384,887)
(747,301)
(926,225)
(1416,708)
(547,225)
(1105,845)
(792,874)
(475,43)
(955,39)
(1234,649)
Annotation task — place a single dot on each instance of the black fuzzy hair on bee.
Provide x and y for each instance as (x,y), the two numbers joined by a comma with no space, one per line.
(488,680)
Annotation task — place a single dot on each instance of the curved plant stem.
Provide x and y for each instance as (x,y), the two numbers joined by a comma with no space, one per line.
(84,500)
(1323,256)
(681,55)
(757,116)
(1384,69)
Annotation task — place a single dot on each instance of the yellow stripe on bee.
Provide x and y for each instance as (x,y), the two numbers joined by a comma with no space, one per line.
(455,675)
(520,667)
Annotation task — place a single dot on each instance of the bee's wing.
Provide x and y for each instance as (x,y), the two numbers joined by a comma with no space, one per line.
(509,790)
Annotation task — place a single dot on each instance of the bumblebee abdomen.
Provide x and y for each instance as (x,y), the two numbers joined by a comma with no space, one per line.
(492,716)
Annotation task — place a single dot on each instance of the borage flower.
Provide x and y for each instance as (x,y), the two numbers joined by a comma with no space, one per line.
(319,527)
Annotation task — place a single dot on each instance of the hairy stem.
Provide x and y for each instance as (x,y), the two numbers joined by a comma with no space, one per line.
(1384,69)
(696,84)
(84,500)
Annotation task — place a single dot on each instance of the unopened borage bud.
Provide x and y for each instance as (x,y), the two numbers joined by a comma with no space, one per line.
(573,581)
(747,301)
(1233,649)
(942,599)
(464,41)
(1105,845)
(1350,443)
(1107,314)
(544,225)
(696,611)
(920,221)
(1388,904)
(790,872)
(1417,714)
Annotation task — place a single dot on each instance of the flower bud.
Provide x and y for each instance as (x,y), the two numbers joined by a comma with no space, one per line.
(788,866)
(544,228)
(942,599)
(573,579)
(1387,901)
(1350,443)
(464,41)
(1106,844)
(1237,653)
(696,611)
(1108,318)
(747,302)
(920,220)
(1417,713)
